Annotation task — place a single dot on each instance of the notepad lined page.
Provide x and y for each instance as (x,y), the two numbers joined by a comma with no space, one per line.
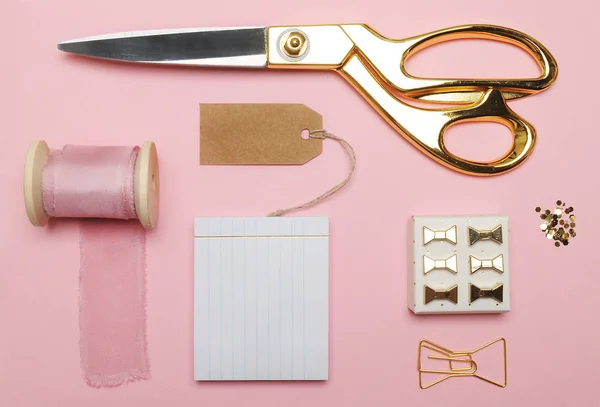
(261,292)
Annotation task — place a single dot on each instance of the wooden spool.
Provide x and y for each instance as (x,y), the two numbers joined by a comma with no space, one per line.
(146,184)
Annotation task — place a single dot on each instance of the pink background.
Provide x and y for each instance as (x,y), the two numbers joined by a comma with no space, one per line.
(552,332)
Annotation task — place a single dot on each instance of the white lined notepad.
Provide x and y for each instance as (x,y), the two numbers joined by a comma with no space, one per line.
(261,293)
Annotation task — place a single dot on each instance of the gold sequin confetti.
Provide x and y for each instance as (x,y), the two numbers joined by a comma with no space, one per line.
(554,226)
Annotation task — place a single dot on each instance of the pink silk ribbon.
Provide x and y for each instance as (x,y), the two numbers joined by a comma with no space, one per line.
(97,183)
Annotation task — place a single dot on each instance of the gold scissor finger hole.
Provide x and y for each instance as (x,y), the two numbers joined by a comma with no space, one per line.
(480,142)
(472,59)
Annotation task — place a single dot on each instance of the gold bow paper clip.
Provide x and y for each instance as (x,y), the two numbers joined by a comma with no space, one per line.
(448,235)
(496,264)
(450,294)
(450,264)
(477,235)
(460,364)
(496,293)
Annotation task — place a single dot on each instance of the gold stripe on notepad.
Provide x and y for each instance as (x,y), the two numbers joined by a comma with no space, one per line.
(262,237)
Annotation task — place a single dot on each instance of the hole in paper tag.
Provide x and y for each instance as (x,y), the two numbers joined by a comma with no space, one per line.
(251,133)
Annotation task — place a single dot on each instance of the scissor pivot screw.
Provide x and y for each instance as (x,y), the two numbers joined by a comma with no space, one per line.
(295,44)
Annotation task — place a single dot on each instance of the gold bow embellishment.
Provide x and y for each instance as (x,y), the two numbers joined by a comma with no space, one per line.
(495,293)
(448,235)
(494,235)
(450,294)
(450,264)
(496,264)
(441,364)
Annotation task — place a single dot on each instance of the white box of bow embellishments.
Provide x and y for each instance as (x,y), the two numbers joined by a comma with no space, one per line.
(458,264)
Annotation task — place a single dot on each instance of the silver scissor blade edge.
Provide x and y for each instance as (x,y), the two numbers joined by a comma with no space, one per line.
(244,46)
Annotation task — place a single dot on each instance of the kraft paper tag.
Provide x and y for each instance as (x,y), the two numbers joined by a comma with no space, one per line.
(249,133)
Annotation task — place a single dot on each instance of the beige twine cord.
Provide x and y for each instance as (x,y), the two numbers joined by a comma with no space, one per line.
(323,134)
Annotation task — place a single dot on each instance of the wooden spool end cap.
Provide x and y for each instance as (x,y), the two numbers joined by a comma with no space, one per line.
(36,159)
(146,185)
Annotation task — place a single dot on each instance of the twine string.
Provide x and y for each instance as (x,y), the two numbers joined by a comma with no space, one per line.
(323,134)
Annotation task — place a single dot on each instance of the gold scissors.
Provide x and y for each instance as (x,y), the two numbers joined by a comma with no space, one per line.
(372,63)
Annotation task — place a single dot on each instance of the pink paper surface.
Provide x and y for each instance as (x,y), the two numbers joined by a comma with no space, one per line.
(552,331)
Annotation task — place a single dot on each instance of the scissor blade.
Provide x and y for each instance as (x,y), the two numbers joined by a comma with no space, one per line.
(199,46)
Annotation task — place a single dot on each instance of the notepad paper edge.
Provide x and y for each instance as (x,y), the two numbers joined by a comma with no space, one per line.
(273,230)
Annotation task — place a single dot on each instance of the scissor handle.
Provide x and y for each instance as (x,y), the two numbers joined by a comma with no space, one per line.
(491,108)
(425,128)
(388,57)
